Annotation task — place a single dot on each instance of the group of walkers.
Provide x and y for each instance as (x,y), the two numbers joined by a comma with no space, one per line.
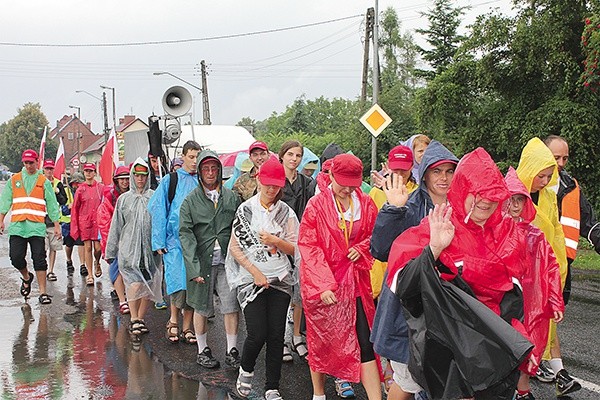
(445,279)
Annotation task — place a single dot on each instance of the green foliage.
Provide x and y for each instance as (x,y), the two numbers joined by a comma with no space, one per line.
(441,35)
(23,132)
(514,78)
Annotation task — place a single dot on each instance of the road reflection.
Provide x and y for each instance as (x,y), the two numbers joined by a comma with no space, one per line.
(95,359)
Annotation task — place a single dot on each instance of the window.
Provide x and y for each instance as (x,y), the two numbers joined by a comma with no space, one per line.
(70,135)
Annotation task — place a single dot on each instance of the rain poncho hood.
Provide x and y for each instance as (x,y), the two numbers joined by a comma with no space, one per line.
(309,156)
(129,240)
(203,156)
(331,331)
(534,158)
(165,226)
(330,151)
(540,278)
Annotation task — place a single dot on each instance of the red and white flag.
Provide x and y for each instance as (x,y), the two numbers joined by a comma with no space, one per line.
(60,166)
(42,149)
(109,160)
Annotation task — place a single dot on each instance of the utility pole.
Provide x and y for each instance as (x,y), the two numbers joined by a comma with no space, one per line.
(368,38)
(205,105)
(105,115)
(375,80)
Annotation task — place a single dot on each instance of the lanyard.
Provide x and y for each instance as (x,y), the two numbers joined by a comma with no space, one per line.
(342,223)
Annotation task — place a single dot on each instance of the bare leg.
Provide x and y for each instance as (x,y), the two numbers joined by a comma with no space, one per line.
(41,278)
(81,253)
(188,316)
(231,323)
(89,262)
(318,382)
(369,377)
(51,260)
(120,288)
(523,384)
(396,393)
(200,323)
(297,319)
(69,253)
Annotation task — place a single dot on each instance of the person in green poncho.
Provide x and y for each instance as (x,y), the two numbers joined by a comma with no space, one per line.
(205,222)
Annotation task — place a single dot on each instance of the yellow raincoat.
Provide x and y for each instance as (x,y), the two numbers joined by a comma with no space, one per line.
(534,158)
(379,198)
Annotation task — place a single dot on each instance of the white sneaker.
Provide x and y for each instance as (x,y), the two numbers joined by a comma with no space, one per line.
(272,395)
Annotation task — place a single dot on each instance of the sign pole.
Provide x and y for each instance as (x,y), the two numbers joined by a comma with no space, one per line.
(375,80)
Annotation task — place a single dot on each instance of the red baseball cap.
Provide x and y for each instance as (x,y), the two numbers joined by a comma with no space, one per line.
(49,164)
(29,155)
(122,171)
(89,166)
(258,145)
(272,173)
(435,164)
(400,157)
(347,170)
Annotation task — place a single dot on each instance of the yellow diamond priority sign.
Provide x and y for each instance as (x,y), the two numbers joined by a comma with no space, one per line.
(375,120)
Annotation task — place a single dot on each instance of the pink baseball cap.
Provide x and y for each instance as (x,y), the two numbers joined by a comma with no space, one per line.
(272,173)
(29,155)
(49,164)
(400,157)
(347,170)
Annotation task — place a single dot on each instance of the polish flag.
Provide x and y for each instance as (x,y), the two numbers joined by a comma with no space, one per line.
(109,160)
(60,166)
(42,149)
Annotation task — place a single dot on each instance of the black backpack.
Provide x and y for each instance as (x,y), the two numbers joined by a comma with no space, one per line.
(173,178)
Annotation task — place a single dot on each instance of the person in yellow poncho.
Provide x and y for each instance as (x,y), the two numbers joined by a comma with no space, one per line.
(400,164)
(539,173)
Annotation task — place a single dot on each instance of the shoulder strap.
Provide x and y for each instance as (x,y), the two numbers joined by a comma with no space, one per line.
(173,178)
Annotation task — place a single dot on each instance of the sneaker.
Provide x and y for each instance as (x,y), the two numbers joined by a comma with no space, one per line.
(232,358)
(545,373)
(243,385)
(344,389)
(272,395)
(206,359)
(161,305)
(527,396)
(565,384)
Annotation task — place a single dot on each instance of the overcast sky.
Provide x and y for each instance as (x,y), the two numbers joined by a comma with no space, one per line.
(252,75)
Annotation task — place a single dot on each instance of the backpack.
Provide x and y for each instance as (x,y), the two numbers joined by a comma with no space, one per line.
(173,178)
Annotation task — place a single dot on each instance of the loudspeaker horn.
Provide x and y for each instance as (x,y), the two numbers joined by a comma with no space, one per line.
(177,101)
(171,132)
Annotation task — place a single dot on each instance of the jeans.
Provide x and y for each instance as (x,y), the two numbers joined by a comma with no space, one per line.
(265,323)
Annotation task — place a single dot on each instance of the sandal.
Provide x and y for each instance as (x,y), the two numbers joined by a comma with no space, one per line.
(143,327)
(188,336)
(98,269)
(83,270)
(51,276)
(344,389)
(300,348)
(172,337)
(135,327)
(70,268)
(89,281)
(25,290)
(124,308)
(44,299)
(287,354)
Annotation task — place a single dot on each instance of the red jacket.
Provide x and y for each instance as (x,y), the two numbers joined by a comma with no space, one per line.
(540,279)
(331,329)
(87,199)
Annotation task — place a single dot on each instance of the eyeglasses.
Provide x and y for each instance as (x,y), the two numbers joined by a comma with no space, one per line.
(207,168)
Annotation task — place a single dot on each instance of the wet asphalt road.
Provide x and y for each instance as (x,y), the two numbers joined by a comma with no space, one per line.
(79,347)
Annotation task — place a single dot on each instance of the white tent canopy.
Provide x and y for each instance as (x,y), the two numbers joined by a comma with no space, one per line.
(221,139)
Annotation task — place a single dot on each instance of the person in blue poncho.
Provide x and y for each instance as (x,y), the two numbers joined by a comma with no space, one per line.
(165,239)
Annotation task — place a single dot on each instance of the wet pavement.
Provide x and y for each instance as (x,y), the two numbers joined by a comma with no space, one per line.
(79,347)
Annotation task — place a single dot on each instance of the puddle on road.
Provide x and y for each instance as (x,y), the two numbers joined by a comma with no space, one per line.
(93,358)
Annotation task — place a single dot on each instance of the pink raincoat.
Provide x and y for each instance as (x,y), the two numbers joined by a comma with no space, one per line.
(84,224)
(541,277)
(331,329)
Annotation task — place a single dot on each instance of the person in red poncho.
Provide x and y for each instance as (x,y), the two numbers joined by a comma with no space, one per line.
(335,280)
(540,280)
(459,347)
(84,225)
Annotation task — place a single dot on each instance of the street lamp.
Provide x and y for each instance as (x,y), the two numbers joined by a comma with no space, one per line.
(113,104)
(78,133)
(178,78)
(88,93)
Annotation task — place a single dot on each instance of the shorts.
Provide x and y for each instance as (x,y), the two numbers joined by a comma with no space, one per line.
(403,378)
(52,242)
(227,298)
(70,242)
(178,300)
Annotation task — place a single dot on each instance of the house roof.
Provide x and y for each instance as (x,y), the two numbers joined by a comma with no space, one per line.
(95,146)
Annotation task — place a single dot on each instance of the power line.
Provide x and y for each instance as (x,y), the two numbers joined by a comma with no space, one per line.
(178,41)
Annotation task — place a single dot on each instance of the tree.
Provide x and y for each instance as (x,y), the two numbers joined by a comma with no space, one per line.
(23,132)
(514,78)
(441,35)
(249,124)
